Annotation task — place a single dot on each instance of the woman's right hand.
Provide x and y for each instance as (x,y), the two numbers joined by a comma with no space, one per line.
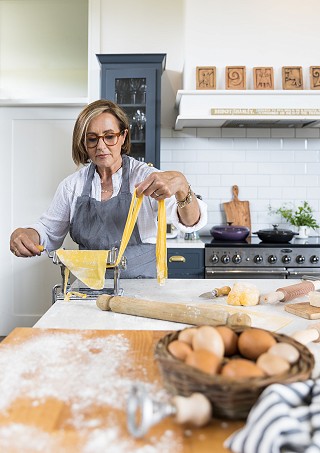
(24,242)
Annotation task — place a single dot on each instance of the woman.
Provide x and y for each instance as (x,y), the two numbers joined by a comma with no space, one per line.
(92,204)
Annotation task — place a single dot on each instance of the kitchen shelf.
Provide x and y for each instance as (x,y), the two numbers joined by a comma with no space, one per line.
(195,106)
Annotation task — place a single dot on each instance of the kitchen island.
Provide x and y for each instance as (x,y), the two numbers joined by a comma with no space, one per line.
(84,314)
(65,383)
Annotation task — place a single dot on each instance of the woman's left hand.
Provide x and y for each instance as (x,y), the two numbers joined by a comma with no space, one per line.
(161,185)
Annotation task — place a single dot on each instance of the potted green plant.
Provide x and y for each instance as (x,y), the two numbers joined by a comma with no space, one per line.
(302,217)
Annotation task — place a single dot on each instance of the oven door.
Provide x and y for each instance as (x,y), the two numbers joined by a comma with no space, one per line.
(302,272)
(246,272)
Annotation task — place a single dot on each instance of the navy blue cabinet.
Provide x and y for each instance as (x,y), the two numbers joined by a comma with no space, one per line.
(185,263)
(134,82)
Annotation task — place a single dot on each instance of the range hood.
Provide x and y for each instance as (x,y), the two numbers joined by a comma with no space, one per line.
(248,108)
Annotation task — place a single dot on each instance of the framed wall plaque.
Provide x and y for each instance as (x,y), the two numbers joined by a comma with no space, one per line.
(206,77)
(263,78)
(292,78)
(315,77)
(235,77)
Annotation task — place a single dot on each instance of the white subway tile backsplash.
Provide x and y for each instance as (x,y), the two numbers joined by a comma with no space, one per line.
(223,143)
(307,132)
(233,132)
(313,168)
(270,166)
(296,143)
(258,155)
(258,132)
(271,143)
(246,168)
(209,132)
(257,180)
(313,144)
(303,156)
(245,143)
(283,132)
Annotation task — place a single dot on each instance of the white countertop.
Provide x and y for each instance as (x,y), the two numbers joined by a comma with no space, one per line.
(84,314)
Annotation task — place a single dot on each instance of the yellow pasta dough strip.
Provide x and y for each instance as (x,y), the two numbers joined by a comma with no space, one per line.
(89,266)
(161,246)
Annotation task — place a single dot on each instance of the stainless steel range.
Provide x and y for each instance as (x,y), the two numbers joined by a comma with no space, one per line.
(255,259)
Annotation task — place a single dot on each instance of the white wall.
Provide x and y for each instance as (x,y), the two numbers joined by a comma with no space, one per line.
(250,33)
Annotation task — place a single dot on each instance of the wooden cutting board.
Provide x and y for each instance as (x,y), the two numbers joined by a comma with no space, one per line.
(304,310)
(49,379)
(237,212)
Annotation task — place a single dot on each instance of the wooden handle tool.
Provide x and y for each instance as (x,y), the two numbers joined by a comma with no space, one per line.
(166,311)
(290,292)
(216,292)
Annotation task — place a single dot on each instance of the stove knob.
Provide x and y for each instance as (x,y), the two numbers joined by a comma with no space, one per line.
(286,259)
(300,259)
(236,258)
(258,259)
(272,259)
(215,259)
(225,259)
(314,259)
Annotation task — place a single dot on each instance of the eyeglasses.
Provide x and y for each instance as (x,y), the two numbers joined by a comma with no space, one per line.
(109,139)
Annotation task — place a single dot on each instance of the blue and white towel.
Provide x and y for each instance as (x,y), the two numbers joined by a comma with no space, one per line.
(286,418)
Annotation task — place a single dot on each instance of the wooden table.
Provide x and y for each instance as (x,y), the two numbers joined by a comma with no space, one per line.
(48,375)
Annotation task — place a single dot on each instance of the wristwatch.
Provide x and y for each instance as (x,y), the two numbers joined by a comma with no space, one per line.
(187,200)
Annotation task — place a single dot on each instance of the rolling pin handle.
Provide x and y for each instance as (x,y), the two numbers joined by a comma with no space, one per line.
(272,298)
(196,409)
(103,302)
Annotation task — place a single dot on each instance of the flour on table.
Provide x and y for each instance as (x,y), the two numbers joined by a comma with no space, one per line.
(81,372)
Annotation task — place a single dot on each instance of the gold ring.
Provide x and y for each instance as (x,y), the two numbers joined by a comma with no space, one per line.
(15,253)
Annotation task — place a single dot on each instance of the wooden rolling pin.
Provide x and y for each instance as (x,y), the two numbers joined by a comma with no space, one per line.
(166,311)
(290,292)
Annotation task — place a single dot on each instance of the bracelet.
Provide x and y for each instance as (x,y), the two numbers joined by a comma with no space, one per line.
(187,200)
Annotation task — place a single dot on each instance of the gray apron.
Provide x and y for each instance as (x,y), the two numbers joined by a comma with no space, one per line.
(99,225)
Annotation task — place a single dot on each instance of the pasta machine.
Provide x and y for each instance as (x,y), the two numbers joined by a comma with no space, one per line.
(74,285)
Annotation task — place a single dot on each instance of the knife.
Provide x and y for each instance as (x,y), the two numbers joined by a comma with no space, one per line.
(216,292)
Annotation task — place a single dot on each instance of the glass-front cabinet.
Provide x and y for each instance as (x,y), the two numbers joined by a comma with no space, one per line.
(134,82)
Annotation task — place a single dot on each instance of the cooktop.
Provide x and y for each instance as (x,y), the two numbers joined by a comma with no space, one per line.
(312,241)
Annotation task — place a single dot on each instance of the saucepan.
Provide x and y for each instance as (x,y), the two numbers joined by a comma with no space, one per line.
(230,232)
(275,235)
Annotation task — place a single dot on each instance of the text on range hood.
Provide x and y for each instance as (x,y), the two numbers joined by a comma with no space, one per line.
(245,108)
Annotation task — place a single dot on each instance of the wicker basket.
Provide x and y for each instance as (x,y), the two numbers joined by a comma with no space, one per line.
(230,399)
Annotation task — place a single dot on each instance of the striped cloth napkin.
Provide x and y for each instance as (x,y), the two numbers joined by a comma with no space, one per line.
(286,418)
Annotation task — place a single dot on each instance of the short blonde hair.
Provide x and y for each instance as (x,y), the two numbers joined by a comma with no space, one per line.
(79,152)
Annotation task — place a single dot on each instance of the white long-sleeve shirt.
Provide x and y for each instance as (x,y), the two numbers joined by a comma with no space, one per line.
(54,224)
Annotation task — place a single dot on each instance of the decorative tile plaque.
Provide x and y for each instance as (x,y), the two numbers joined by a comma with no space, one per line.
(315,77)
(235,77)
(263,78)
(206,77)
(292,78)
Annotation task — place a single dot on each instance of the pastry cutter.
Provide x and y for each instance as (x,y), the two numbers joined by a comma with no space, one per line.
(216,292)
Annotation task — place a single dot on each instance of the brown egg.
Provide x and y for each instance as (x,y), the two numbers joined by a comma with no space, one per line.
(207,337)
(241,368)
(229,338)
(204,360)
(179,349)
(254,342)
(187,334)
(272,364)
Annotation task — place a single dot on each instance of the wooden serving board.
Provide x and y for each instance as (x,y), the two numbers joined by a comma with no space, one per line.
(49,380)
(304,310)
(237,212)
